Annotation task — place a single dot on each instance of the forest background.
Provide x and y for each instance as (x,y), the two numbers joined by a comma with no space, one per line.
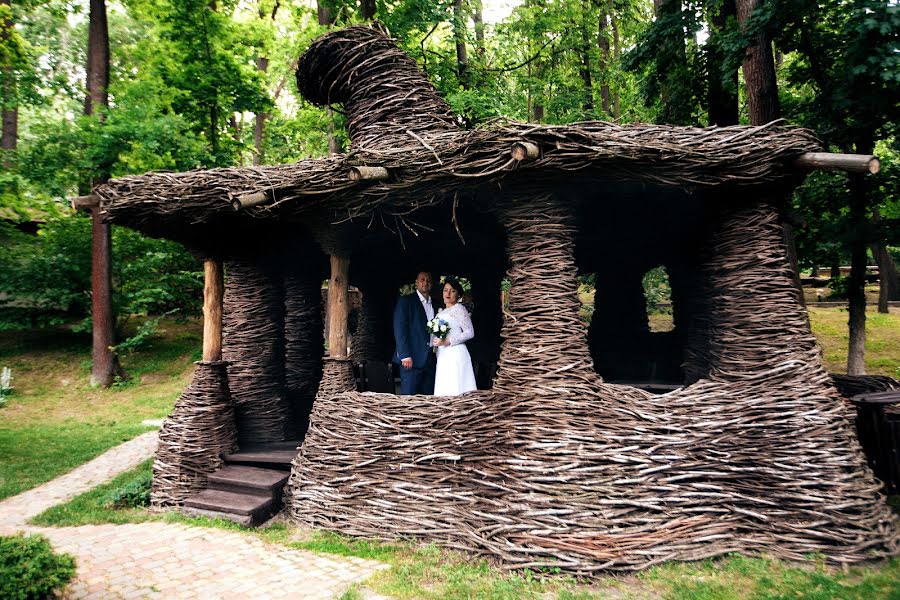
(201,84)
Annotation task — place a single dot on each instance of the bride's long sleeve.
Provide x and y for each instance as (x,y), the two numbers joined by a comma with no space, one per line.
(463,331)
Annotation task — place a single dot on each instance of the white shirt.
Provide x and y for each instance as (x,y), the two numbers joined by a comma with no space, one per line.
(426,303)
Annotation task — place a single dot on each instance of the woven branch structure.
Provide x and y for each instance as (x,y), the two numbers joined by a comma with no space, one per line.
(253,334)
(194,436)
(553,466)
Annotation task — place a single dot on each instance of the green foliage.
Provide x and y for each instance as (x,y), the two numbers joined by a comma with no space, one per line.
(656,289)
(30,570)
(840,288)
(135,493)
(47,277)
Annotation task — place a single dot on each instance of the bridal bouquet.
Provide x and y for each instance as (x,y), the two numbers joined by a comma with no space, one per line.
(438,328)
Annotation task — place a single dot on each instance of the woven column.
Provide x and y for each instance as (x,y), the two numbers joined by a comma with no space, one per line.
(303,345)
(805,483)
(544,345)
(192,439)
(374,337)
(254,348)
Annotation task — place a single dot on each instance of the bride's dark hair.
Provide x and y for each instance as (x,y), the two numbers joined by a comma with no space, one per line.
(455,284)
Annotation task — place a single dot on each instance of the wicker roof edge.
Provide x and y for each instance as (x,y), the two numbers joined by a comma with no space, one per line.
(425,169)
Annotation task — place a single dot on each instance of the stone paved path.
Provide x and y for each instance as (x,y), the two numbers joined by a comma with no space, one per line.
(161,560)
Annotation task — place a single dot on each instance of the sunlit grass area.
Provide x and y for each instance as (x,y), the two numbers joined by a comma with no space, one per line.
(882,339)
(54,420)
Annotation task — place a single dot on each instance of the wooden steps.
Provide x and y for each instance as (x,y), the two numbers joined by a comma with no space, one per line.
(248,489)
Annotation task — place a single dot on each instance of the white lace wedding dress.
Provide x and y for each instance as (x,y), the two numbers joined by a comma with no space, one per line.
(454,374)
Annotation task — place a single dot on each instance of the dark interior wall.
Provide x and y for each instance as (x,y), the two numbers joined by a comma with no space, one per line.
(625,230)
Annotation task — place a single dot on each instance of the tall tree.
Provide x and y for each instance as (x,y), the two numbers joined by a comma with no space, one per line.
(758,68)
(459,37)
(105,362)
(847,55)
(10,106)
(722,91)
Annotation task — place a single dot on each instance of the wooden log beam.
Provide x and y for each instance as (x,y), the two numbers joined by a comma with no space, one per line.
(828,161)
(367,174)
(213,293)
(524,151)
(85,202)
(248,200)
(338,306)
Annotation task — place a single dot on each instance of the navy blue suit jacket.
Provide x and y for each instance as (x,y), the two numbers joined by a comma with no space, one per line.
(413,339)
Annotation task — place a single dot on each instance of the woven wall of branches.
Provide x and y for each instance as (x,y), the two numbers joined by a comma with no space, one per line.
(398,121)
(194,436)
(554,468)
(253,345)
(303,338)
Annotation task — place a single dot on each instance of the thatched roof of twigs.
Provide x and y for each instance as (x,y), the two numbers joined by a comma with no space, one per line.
(398,121)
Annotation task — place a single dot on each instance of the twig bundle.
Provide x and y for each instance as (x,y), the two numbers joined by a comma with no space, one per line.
(194,436)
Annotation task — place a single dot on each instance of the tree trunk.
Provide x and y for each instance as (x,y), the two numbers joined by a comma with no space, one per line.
(10,109)
(259,125)
(367,10)
(603,43)
(759,71)
(459,34)
(326,18)
(585,69)
(888,276)
(105,362)
(478,21)
(859,242)
(856,286)
(97,59)
(723,100)
(835,271)
(616,52)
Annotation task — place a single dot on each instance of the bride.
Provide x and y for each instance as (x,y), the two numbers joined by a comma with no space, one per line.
(454,374)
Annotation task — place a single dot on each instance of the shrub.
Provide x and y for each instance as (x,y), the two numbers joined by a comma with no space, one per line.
(133,494)
(30,570)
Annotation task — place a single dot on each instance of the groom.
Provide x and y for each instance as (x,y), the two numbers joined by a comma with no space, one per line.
(414,353)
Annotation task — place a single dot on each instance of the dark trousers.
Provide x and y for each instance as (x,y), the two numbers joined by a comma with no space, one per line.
(417,381)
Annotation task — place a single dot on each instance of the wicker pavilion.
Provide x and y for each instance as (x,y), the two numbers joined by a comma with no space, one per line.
(556,462)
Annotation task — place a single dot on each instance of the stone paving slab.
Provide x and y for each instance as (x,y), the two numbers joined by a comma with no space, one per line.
(18,509)
(162,560)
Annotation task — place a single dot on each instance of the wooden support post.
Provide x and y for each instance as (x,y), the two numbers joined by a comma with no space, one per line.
(213,293)
(367,174)
(338,306)
(524,151)
(832,161)
(248,200)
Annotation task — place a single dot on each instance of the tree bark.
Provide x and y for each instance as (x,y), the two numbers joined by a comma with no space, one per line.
(105,362)
(616,52)
(856,295)
(585,69)
(10,109)
(603,43)
(259,125)
(97,59)
(478,21)
(888,276)
(367,9)
(723,100)
(759,71)
(459,34)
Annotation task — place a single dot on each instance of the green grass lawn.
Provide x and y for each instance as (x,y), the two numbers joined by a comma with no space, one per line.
(54,420)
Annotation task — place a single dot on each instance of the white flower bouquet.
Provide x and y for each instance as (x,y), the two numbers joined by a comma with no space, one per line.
(438,328)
